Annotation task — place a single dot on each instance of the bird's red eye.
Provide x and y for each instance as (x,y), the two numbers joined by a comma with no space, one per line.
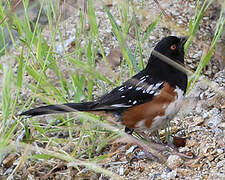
(173,47)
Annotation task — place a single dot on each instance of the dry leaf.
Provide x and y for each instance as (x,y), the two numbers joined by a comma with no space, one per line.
(179,141)
(9,160)
(115,57)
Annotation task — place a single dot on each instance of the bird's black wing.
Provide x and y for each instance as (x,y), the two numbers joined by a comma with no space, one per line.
(137,90)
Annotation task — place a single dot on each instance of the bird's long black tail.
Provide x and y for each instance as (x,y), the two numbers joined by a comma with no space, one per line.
(60,108)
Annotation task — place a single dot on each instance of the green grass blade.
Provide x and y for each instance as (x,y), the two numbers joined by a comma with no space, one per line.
(130,59)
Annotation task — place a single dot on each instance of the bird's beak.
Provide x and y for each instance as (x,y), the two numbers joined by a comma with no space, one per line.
(183,40)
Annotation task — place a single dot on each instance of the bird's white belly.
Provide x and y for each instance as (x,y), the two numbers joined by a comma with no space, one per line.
(160,122)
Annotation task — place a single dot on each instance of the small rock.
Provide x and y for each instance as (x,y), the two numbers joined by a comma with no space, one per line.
(208,72)
(191,143)
(205,114)
(184,149)
(153,176)
(169,175)
(152,37)
(189,61)
(221,163)
(180,21)
(174,161)
(213,101)
(184,172)
(210,157)
(202,95)
(198,108)
(219,151)
(211,95)
(121,173)
(195,56)
(214,121)
(222,125)
(198,120)
(192,66)
(214,112)
(202,85)
(131,149)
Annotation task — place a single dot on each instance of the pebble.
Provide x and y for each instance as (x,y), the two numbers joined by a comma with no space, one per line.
(192,66)
(198,108)
(131,149)
(222,125)
(202,85)
(184,149)
(219,151)
(195,55)
(221,163)
(121,173)
(214,112)
(189,61)
(202,95)
(205,114)
(174,161)
(211,95)
(180,21)
(153,176)
(210,157)
(208,72)
(169,175)
(215,118)
(198,120)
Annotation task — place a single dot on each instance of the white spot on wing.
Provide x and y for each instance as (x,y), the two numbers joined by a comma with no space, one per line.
(149,88)
(138,88)
(141,81)
(123,96)
(157,93)
(153,88)
(130,87)
(158,84)
(151,92)
(121,88)
(120,105)
(135,102)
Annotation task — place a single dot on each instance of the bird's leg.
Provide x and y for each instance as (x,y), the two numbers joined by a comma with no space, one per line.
(153,150)
(169,139)
(146,154)
(141,133)
(156,145)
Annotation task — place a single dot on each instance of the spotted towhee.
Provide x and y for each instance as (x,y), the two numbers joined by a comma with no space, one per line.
(149,100)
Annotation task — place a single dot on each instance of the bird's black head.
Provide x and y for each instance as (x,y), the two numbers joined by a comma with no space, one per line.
(173,48)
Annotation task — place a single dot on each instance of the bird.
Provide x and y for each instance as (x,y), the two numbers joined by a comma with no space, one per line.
(148,100)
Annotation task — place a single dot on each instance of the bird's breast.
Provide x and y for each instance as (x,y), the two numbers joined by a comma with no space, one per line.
(156,113)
